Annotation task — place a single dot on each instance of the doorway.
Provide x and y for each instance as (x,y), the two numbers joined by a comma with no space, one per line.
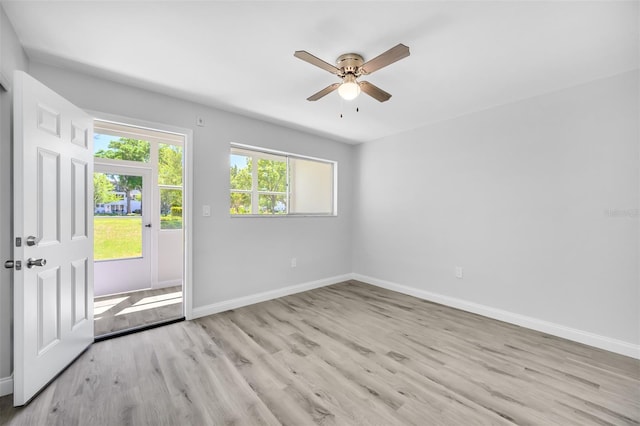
(53,216)
(138,227)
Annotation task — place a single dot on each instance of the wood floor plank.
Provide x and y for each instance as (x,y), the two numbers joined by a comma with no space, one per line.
(347,354)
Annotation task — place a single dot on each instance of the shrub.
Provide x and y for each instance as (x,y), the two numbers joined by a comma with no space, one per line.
(176,211)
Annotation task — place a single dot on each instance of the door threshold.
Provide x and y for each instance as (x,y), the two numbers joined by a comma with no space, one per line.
(137,329)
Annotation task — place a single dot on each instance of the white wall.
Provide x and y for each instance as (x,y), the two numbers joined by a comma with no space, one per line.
(536,200)
(12,57)
(169,258)
(232,257)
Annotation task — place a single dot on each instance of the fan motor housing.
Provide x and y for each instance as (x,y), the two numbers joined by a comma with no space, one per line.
(350,63)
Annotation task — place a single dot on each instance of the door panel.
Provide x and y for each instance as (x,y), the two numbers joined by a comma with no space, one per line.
(53,159)
(48,190)
(79,291)
(49,309)
(79,199)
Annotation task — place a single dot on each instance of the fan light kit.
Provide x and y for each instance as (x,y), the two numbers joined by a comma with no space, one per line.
(349,88)
(349,67)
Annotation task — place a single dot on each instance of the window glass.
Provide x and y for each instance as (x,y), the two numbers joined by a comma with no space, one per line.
(272,175)
(267,183)
(117,216)
(240,172)
(240,203)
(119,148)
(311,186)
(169,164)
(272,203)
(170,208)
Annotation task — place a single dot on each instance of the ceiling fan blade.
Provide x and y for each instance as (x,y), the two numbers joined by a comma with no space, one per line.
(324,92)
(374,91)
(308,57)
(390,56)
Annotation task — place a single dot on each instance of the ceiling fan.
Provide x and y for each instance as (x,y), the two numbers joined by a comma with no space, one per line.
(349,67)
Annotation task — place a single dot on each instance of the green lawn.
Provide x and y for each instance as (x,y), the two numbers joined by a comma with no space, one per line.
(116,237)
(170,222)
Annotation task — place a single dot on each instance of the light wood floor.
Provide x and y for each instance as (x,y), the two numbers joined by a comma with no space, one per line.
(127,310)
(346,354)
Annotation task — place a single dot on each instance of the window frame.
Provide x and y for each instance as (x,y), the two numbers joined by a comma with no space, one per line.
(264,153)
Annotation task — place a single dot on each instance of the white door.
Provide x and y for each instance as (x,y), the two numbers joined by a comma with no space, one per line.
(53,199)
(123,232)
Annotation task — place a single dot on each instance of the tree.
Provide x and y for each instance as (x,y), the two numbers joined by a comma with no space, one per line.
(241,179)
(169,198)
(170,173)
(127,149)
(132,150)
(103,189)
(272,177)
(170,165)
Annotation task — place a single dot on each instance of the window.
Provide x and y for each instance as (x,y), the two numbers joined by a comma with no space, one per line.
(274,183)
(116,143)
(170,185)
(120,148)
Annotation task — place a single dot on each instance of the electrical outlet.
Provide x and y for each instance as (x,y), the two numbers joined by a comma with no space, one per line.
(206,211)
(294,262)
(459,272)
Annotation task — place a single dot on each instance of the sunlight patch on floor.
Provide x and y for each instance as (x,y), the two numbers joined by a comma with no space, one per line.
(158,298)
(122,311)
(150,305)
(102,306)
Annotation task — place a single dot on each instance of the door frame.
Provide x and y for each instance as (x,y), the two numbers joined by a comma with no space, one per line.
(187,191)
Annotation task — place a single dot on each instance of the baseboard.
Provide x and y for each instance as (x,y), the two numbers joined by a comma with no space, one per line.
(580,336)
(6,385)
(169,283)
(239,302)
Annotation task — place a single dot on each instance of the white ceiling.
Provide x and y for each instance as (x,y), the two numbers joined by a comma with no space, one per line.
(238,56)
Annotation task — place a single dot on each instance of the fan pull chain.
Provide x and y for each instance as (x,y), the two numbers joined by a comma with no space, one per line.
(357,110)
(342,108)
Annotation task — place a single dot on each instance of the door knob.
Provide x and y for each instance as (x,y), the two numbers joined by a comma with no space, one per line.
(31,262)
(148,225)
(31,240)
